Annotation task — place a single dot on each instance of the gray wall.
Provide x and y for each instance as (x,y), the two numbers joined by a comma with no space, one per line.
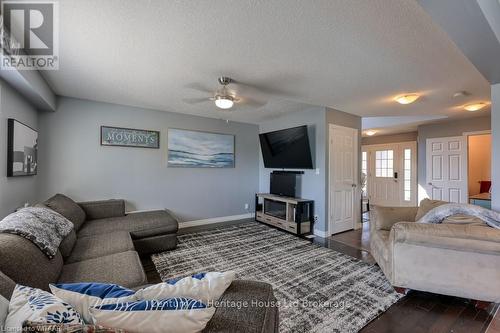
(340,118)
(495,122)
(312,185)
(73,162)
(445,129)
(14,191)
(390,138)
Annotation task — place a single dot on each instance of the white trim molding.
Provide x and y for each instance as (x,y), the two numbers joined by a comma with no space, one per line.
(485,132)
(321,233)
(215,220)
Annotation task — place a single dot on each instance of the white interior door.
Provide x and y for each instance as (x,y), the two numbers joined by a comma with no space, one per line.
(447,169)
(391,171)
(343,178)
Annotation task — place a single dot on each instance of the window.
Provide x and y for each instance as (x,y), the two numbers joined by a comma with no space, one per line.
(384,163)
(407,174)
(364,172)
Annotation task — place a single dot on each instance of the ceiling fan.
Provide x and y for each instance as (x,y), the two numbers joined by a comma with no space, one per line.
(224,97)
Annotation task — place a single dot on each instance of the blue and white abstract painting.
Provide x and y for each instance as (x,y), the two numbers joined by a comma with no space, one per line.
(200,149)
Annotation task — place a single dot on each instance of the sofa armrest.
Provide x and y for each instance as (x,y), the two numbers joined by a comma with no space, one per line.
(245,307)
(461,237)
(103,208)
(383,218)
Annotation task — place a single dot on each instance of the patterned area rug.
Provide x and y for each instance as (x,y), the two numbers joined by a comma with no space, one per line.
(320,290)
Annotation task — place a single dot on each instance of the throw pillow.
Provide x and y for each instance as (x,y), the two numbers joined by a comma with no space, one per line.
(427,205)
(37,305)
(174,315)
(67,208)
(4,310)
(84,295)
(37,327)
(42,226)
(207,287)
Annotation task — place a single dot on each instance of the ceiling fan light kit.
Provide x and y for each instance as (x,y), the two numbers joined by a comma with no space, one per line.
(225,98)
(224,102)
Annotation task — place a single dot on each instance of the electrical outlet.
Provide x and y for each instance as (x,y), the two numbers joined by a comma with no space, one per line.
(246,206)
(316,217)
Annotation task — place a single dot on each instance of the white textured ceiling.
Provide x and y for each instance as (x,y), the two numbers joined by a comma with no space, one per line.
(346,54)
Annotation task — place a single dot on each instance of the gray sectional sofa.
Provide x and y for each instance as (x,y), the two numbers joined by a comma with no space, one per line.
(105,246)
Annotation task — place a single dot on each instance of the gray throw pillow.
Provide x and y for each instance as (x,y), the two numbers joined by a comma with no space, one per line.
(67,208)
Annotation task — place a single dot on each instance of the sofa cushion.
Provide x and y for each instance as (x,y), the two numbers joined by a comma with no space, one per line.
(387,216)
(230,318)
(123,268)
(140,225)
(6,286)
(103,208)
(4,310)
(67,244)
(24,263)
(67,208)
(100,246)
(427,205)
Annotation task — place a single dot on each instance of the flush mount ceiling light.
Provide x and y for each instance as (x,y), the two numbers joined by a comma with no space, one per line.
(371,132)
(407,99)
(224,101)
(474,106)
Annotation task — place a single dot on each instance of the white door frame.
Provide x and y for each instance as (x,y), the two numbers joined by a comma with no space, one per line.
(357,172)
(398,167)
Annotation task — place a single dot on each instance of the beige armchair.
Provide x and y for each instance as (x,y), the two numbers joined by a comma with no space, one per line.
(460,257)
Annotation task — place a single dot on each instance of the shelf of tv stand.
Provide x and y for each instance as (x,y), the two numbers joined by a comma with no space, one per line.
(298,223)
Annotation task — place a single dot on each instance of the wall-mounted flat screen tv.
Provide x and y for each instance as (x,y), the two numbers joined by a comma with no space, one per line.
(286,149)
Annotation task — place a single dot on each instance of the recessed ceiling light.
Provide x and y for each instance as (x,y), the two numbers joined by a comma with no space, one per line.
(407,99)
(371,132)
(474,106)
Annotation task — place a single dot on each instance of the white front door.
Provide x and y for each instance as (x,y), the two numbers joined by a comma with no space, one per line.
(343,178)
(391,171)
(447,169)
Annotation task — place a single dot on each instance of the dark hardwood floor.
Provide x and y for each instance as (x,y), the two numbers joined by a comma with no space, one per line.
(417,312)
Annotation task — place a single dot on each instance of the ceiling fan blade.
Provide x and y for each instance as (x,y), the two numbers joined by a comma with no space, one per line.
(199,87)
(249,89)
(195,100)
(250,102)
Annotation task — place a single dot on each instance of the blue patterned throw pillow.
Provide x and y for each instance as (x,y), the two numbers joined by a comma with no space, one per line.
(84,295)
(173,315)
(34,304)
(206,287)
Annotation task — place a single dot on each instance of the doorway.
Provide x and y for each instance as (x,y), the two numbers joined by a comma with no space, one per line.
(390,171)
(479,169)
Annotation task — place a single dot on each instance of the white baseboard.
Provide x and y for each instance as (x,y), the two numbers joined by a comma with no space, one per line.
(321,233)
(215,220)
